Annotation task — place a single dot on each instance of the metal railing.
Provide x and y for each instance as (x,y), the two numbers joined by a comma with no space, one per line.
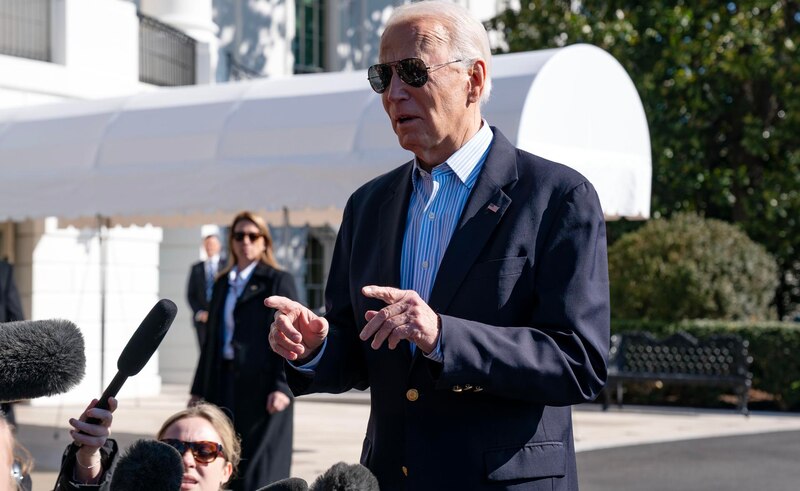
(167,57)
(25,29)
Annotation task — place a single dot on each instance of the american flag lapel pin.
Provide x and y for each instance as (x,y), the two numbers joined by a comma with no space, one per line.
(493,208)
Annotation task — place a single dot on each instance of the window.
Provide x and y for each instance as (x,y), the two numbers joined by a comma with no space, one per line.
(315,273)
(25,29)
(309,41)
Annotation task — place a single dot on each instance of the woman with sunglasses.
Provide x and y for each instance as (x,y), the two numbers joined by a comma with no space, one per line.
(202,434)
(237,370)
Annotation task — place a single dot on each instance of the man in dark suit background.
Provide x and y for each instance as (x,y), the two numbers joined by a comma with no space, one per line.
(468,288)
(201,282)
(10,310)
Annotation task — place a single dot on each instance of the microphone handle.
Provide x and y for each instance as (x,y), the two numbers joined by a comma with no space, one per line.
(111,391)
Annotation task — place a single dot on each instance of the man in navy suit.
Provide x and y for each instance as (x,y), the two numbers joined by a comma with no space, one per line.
(468,288)
(201,282)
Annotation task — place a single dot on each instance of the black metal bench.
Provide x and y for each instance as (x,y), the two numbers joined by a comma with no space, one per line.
(720,360)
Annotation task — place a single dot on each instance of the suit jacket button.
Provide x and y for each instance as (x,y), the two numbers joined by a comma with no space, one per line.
(478,388)
(405,471)
(457,388)
(412,395)
(467,387)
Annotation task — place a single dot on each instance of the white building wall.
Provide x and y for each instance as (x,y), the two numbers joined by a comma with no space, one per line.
(179,352)
(95,47)
(257,34)
(58,272)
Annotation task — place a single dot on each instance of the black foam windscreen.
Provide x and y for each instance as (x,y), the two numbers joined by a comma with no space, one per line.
(39,358)
(147,337)
(288,484)
(139,349)
(148,465)
(346,477)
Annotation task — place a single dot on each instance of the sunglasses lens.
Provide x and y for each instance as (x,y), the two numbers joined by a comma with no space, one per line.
(379,77)
(412,71)
(239,236)
(205,451)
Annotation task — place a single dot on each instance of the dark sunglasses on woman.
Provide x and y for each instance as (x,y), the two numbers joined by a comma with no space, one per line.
(239,236)
(412,71)
(203,451)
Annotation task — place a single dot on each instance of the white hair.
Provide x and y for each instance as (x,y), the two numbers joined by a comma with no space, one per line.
(468,40)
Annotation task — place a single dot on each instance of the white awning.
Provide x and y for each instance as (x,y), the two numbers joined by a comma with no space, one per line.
(304,142)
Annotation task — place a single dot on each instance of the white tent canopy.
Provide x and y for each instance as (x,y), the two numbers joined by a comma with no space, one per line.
(303,142)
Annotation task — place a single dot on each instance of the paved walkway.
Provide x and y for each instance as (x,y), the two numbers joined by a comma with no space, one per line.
(329,429)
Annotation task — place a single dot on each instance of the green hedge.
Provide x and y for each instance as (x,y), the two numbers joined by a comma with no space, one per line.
(774,346)
(689,267)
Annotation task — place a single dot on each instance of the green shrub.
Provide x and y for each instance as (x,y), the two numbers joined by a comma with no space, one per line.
(689,267)
(773,346)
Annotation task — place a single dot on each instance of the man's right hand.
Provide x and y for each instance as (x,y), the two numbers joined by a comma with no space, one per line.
(297,332)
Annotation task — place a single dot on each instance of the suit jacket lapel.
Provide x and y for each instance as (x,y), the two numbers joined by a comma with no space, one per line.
(255,285)
(391,230)
(484,209)
(391,227)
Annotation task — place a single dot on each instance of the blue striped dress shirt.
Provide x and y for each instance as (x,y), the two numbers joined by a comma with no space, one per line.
(437,200)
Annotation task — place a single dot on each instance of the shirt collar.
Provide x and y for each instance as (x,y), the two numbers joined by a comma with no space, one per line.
(243,276)
(464,160)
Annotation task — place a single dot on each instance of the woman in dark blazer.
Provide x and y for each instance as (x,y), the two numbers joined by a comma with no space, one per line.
(237,370)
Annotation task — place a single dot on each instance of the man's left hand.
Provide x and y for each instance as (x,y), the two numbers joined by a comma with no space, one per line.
(406,316)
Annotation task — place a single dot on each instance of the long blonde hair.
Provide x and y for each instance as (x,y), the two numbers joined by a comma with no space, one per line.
(267,257)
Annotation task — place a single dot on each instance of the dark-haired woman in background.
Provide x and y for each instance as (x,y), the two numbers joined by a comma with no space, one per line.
(237,370)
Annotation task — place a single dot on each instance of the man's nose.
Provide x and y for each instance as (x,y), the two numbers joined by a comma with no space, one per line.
(397,89)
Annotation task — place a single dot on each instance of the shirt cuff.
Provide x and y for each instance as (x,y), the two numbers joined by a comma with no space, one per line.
(311,365)
(436,355)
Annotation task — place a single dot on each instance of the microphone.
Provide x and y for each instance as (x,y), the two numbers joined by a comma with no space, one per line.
(140,348)
(148,465)
(39,358)
(346,477)
(288,484)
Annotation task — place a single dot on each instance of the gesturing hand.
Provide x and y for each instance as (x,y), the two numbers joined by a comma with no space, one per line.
(296,331)
(406,316)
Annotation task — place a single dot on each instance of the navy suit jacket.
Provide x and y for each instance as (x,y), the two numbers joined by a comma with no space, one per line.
(196,290)
(522,292)
(10,304)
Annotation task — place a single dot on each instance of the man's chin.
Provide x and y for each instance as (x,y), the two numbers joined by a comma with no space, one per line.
(409,142)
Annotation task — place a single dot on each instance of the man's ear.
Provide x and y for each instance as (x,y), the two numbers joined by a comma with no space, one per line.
(477,81)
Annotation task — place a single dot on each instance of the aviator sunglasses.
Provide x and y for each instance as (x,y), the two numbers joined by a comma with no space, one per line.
(239,236)
(412,71)
(205,452)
